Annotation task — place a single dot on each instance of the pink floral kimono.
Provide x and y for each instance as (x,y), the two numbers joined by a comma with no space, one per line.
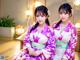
(65,42)
(44,41)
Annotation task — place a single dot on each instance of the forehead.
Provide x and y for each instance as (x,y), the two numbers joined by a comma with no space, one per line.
(40,13)
(62,11)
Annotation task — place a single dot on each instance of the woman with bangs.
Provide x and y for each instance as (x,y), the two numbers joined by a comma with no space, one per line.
(39,42)
(65,33)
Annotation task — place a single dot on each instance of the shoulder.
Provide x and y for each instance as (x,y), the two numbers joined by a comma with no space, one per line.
(50,28)
(29,28)
(72,25)
(54,23)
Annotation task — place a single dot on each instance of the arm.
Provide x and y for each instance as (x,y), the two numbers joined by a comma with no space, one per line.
(69,53)
(26,41)
(27,44)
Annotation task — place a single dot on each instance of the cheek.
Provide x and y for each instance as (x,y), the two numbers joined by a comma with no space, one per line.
(40,19)
(37,19)
(67,16)
(64,17)
(43,18)
(60,16)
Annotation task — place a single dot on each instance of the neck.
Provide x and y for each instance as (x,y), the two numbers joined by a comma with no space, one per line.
(42,25)
(65,22)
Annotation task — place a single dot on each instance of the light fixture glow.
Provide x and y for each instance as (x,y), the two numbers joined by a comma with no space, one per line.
(29,13)
(77,25)
(19,29)
(77,2)
(37,3)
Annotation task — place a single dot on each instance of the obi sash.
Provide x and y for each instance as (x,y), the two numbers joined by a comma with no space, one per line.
(38,45)
(61,44)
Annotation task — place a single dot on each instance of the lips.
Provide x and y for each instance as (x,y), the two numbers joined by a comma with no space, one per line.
(63,18)
(39,20)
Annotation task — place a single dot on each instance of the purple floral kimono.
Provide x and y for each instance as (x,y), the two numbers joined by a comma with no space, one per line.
(66,40)
(44,41)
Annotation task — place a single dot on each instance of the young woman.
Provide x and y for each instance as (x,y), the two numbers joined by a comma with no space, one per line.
(39,43)
(66,36)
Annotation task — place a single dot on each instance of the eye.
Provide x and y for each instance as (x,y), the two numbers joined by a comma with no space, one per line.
(37,15)
(60,12)
(42,15)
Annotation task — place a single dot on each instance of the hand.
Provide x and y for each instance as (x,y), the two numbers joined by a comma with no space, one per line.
(46,54)
(38,52)
(35,53)
(31,51)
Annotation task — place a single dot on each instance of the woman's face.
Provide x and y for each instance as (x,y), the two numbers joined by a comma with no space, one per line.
(40,18)
(64,16)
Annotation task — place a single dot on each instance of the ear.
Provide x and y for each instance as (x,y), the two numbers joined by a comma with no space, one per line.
(70,15)
(49,13)
(46,17)
(72,11)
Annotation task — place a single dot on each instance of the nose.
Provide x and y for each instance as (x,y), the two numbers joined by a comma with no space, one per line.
(63,15)
(40,17)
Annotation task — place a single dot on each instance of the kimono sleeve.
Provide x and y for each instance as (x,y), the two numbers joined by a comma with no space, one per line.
(70,51)
(26,41)
(50,46)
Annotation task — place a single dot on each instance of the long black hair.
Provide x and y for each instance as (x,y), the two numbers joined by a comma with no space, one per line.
(43,10)
(64,8)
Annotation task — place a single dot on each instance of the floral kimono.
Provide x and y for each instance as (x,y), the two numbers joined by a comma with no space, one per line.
(44,41)
(66,39)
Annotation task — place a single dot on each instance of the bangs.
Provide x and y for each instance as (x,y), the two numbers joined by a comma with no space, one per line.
(63,11)
(41,13)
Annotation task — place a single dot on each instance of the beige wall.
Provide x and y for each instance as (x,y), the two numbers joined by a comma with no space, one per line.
(0,7)
(14,8)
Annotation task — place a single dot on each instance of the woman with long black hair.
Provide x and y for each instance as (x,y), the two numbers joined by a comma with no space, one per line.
(39,42)
(66,36)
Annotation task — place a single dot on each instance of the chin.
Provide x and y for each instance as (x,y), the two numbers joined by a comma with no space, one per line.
(63,20)
(40,22)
